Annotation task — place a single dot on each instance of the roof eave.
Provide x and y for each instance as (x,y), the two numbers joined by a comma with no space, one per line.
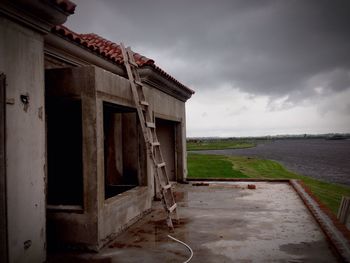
(152,77)
(37,14)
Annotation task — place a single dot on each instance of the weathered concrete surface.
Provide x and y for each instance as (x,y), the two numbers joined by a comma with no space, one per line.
(223,223)
(22,60)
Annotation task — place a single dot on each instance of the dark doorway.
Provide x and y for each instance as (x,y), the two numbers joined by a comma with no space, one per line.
(64,152)
(167,139)
(121,149)
(3,188)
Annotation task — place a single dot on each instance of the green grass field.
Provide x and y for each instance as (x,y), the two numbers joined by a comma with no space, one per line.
(211,166)
(219,166)
(218,144)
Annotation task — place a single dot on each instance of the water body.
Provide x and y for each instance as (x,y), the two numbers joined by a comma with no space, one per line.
(328,160)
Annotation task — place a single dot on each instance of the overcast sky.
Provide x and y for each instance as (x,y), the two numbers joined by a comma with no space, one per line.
(258,67)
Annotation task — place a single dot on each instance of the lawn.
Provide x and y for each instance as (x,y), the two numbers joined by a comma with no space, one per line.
(211,166)
(219,166)
(216,144)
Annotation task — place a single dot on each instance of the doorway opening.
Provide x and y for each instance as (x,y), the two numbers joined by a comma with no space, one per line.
(166,133)
(64,153)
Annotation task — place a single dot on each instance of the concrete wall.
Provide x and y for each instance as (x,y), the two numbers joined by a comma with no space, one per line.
(21,53)
(101,219)
(115,89)
(168,108)
(118,212)
(78,227)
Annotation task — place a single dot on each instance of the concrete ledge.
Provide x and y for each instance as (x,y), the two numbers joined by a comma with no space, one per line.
(109,239)
(337,233)
(126,208)
(239,180)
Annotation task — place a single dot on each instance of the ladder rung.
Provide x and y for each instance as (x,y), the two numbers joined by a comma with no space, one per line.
(150,124)
(172,208)
(138,83)
(159,165)
(144,103)
(165,187)
(132,62)
(155,143)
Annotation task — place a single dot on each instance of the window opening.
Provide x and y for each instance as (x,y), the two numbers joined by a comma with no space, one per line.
(121,149)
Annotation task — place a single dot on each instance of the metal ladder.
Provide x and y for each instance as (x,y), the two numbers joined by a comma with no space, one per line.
(148,127)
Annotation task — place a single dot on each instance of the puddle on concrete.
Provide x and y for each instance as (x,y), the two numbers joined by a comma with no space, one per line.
(313,249)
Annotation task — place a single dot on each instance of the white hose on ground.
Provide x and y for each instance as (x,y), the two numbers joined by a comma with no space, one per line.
(187,246)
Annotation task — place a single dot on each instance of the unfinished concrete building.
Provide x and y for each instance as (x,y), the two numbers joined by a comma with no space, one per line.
(74,167)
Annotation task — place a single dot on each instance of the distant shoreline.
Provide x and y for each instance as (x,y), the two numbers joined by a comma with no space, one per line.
(327,136)
(322,159)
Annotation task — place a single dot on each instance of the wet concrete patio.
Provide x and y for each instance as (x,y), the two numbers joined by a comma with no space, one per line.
(222,222)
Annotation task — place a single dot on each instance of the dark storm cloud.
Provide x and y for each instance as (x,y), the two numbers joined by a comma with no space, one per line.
(289,48)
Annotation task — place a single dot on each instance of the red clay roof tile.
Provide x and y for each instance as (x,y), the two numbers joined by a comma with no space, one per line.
(109,50)
(101,46)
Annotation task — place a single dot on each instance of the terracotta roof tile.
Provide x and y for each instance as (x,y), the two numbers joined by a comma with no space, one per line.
(105,48)
(109,50)
(65,5)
